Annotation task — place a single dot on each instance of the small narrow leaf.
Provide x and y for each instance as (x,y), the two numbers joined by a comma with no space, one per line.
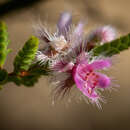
(113,47)
(26,55)
(3,43)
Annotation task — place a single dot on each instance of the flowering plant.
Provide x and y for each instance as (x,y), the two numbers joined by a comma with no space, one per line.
(69,57)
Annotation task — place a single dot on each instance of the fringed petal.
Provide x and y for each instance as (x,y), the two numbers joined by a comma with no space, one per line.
(41,58)
(64,23)
(100,64)
(63,85)
(90,93)
(78,31)
(102,35)
(103,81)
(85,89)
(62,66)
(42,33)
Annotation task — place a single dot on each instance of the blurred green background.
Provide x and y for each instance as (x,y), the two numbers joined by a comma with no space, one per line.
(24,108)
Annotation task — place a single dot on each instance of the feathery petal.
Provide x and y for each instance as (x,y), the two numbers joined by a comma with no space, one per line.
(63,66)
(102,35)
(103,80)
(64,23)
(100,64)
(78,31)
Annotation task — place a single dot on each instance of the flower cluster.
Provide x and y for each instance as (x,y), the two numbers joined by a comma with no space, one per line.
(68,52)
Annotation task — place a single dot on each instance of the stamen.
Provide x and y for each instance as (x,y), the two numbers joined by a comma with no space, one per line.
(89,90)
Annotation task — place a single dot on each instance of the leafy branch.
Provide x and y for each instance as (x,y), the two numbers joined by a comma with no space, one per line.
(113,47)
(27,72)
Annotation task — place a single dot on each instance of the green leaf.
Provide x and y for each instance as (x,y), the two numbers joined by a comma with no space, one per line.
(37,69)
(35,72)
(113,47)
(30,80)
(14,78)
(26,55)
(3,43)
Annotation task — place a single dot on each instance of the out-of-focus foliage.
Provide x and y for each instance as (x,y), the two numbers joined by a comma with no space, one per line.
(8,6)
(3,43)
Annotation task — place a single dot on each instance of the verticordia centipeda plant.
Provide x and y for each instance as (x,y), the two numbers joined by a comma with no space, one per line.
(69,57)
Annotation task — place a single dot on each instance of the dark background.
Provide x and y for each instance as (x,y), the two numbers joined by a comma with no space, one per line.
(24,108)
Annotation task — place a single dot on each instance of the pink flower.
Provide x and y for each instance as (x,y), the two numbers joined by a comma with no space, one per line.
(102,35)
(67,52)
(64,23)
(61,42)
(84,74)
(88,80)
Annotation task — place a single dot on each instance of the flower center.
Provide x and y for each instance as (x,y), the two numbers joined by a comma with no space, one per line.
(91,81)
(92,78)
(59,43)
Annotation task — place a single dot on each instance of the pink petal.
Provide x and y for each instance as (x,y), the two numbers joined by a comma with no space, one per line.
(103,81)
(78,80)
(82,58)
(102,34)
(100,64)
(77,39)
(93,95)
(59,65)
(78,30)
(83,87)
(62,66)
(64,23)
(80,85)
(66,68)
(107,33)
(82,69)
